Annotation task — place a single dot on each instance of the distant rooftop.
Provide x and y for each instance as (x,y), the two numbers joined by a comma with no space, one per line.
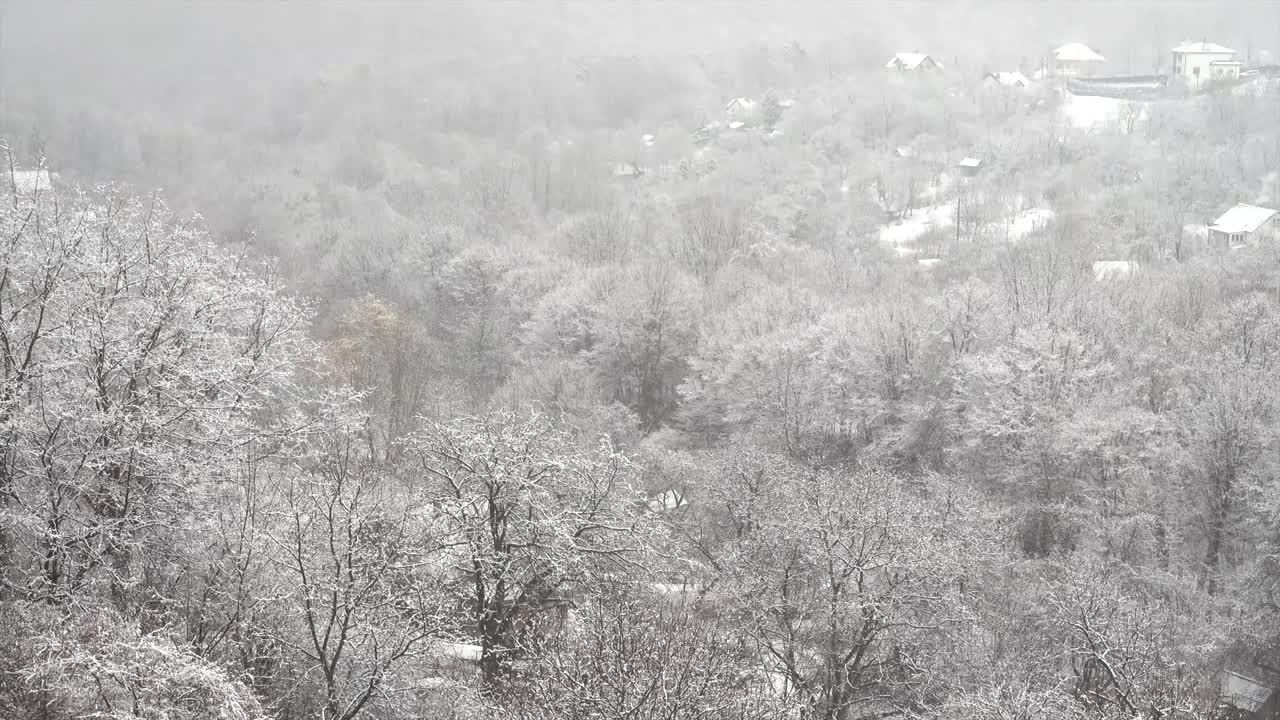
(910,60)
(1010,79)
(970,162)
(1242,218)
(1202,47)
(1078,52)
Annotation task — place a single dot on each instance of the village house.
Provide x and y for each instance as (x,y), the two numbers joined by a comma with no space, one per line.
(1012,79)
(1201,62)
(1245,224)
(1075,59)
(912,61)
(970,166)
(740,109)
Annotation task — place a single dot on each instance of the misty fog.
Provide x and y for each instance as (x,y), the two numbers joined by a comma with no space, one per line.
(640,360)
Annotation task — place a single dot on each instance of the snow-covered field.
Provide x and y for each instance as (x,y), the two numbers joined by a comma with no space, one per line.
(918,223)
(900,236)
(1087,111)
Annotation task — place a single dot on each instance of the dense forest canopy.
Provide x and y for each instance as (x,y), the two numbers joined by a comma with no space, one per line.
(638,360)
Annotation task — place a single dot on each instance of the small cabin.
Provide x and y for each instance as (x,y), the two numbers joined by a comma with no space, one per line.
(1244,224)
(970,166)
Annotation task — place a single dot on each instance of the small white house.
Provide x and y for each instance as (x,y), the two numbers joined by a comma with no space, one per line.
(970,166)
(1013,79)
(740,109)
(912,61)
(1245,224)
(1201,62)
(1075,58)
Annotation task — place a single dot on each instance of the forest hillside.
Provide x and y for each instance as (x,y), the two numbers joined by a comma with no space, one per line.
(699,361)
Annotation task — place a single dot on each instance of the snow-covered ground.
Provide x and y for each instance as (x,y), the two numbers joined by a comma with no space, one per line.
(1027,222)
(1113,269)
(919,222)
(1087,111)
(901,235)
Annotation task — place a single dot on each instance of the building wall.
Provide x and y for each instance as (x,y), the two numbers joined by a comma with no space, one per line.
(1195,68)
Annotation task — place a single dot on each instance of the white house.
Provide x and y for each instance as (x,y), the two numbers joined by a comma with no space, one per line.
(1012,79)
(912,61)
(1075,59)
(1245,223)
(740,109)
(1202,62)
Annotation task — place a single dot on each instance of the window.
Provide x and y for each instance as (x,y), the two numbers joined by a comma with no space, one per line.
(1195,71)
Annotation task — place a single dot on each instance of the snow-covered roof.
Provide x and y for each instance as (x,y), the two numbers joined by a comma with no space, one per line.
(903,151)
(1242,218)
(970,162)
(1113,268)
(910,61)
(927,263)
(1010,79)
(737,125)
(1078,52)
(1203,47)
(647,139)
(29,181)
(739,102)
(1243,693)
